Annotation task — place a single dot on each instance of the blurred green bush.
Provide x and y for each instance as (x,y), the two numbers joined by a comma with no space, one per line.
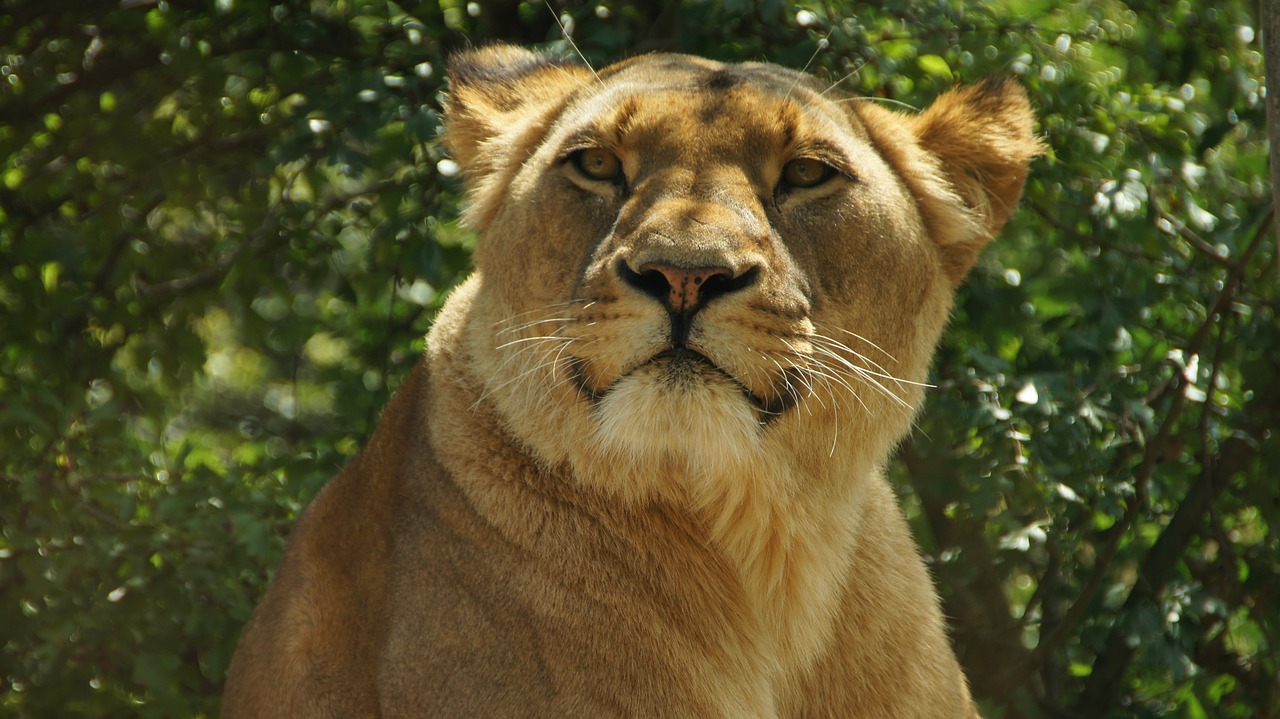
(224,230)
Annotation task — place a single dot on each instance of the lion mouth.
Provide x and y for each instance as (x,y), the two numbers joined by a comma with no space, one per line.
(682,366)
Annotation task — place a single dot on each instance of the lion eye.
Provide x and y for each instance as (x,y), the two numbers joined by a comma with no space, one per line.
(806,172)
(597,164)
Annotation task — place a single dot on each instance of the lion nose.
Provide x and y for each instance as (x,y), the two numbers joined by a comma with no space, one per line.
(684,290)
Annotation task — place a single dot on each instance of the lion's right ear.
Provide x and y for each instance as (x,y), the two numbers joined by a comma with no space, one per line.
(966,158)
(495,94)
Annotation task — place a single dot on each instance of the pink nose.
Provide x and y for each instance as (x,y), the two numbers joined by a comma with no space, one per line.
(684,286)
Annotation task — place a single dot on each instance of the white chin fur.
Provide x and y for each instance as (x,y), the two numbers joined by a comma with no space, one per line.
(697,418)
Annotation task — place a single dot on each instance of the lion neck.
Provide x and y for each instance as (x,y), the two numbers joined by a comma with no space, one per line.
(782,518)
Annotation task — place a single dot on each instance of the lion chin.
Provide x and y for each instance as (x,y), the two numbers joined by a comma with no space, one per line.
(678,407)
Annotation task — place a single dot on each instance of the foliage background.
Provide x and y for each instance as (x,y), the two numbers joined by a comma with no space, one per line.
(224,228)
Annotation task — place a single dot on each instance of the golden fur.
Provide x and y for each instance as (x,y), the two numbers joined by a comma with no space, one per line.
(638,472)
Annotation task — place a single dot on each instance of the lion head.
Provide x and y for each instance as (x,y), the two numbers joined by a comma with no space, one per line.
(690,274)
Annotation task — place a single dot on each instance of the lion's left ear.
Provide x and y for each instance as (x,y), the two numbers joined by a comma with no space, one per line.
(984,137)
(966,159)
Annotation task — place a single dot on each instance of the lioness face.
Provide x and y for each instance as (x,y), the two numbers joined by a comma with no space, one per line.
(691,264)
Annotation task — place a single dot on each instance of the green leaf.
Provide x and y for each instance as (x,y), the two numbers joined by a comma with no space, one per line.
(935,65)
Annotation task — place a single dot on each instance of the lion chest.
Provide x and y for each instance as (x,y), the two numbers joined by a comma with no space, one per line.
(560,613)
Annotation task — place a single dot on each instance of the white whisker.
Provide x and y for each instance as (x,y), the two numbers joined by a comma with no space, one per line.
(532,360)
(826,379)
(885,100)
(862,339)
(804,378)
(492,390)
(564,32)
(539,338)
(823,44)
(857,68)
(835,364)
(520,353)
(547,308)
(868,377)
(832,378)
(534,323)
(832,373)
(833,350)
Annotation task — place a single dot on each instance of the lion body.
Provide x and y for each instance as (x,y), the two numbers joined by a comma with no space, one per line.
(602,495)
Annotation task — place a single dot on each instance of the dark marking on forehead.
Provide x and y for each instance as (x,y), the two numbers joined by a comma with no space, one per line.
(713,111)
(721,79)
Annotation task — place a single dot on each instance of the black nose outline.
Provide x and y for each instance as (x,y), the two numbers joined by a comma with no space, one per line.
(684,291)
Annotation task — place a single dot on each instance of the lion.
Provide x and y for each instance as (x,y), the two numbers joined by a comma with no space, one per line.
(639,469)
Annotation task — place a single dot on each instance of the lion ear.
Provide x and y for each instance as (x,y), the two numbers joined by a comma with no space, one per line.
(984,140)
(965,158)
(497,92)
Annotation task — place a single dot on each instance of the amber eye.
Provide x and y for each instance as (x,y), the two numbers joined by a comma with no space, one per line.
(597,164)
(806,172)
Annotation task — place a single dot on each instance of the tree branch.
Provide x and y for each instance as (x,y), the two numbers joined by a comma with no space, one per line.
(1106,680)
(1108,676)
(1154,451)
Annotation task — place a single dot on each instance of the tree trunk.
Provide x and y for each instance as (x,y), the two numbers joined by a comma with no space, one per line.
(1271,49)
